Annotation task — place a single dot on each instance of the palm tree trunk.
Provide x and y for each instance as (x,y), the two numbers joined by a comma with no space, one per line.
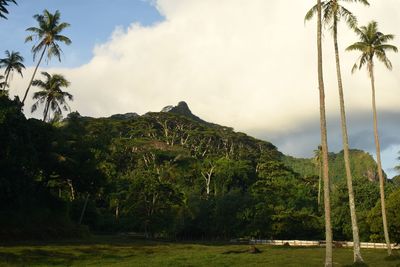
(5,81)
(378,160)
(345,139)
(324,144)
(84,209)
(46,110)
(117,212)
(319,185)
(33,76)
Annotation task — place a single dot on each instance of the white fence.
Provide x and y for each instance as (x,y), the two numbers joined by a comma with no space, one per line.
(305,243)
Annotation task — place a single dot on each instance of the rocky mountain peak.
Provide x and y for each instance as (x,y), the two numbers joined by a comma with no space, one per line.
(182,109)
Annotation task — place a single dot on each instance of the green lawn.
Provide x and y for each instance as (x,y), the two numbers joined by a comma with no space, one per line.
(113,251)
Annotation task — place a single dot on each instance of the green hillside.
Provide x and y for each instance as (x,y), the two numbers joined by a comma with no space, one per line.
(363,166)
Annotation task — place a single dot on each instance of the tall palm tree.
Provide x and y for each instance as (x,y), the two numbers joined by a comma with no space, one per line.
(397,168)
(12,62)
(51,95)
(2,83)
(374,44)
(48,35)
(318,164)
(324,141)
(3,7)
(333,13)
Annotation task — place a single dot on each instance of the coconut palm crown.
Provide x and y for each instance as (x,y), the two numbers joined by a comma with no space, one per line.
(12,62)
(333,12)
(48,36)
(51,95)
(372,44)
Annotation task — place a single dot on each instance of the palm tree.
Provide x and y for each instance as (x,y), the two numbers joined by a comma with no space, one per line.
(51,95)
(317,160)
(48,35)
(12,62)
(397,168)
(324,141)
(373,44)
(3,7)
(333,12)
(2,83)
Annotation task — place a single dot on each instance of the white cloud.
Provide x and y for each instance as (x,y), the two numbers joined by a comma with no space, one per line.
(246,64)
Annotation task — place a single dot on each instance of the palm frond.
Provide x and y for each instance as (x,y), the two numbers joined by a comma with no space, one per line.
(63,39)
(354,68)
(54,50)
(3,8)
(35,106)
(386,47)
(358,46)
(311,13)
(381,56)
(61,27)
(350,18)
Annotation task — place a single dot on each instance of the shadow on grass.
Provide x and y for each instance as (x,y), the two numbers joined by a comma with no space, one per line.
(393,257)
(9,257)
(357,264)
(115,241)
(235,252)
(33,256)
(118,241)
(28,257)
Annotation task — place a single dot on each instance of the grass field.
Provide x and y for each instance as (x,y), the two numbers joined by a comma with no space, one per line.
(117,251)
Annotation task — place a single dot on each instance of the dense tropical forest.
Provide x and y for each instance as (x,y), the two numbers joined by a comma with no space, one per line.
(172,175)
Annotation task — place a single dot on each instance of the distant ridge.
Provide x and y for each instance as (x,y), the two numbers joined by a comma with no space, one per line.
(125,116)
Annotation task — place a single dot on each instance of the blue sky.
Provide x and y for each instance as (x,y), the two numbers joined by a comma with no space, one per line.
(92,22)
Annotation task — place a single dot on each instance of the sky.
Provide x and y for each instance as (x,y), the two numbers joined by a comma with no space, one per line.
(250,65)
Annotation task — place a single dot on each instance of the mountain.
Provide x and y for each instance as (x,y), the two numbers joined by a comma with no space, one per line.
(174,128)
(182,109)
(177,125)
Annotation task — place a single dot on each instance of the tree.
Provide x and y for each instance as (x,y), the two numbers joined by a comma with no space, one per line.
(12,62)
(397,168)
(324,141)
(3,7)
(48,35)
(2,84)
(317,160)
(52,95)
(374,220)
(333,12)
(207,171)
(373,44)
(284,204)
